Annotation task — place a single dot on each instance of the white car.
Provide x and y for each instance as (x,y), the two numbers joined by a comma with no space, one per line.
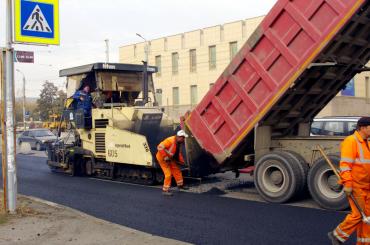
(333,126)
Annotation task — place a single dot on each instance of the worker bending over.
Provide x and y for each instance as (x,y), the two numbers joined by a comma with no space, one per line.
(355,176)
(168,157)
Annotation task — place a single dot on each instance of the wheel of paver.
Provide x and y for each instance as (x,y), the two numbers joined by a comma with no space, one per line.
(89,167)
(277,177)
(299,161)
(76,167)
(323,185)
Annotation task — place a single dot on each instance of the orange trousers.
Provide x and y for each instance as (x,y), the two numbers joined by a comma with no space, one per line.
(353,221)
(170,169)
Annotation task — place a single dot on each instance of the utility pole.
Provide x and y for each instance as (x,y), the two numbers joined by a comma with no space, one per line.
(107,50)
(9,112)
(24,99)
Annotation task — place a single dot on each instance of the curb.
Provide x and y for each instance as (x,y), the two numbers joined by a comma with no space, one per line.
(60,206)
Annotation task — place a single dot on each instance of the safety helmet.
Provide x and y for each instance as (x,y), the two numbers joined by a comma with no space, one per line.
(181,133)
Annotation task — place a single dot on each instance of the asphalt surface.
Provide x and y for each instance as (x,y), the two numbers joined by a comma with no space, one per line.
(189,217)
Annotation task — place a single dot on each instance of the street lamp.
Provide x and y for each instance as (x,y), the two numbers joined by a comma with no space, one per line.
(24,99)
(146,48)
(145,73)
(107,50)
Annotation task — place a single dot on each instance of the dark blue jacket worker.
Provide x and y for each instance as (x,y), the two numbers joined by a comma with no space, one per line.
(83,100)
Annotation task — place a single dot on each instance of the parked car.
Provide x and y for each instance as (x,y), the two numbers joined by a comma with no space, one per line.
(37,138)
(334,126)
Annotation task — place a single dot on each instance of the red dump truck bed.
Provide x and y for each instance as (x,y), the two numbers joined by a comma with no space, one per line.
(290,38)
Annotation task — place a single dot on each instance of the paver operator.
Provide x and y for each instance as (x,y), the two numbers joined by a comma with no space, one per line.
(355,178)
(168,156)
(83,100)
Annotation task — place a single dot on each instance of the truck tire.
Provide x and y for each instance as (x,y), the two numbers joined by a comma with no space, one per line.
(323,186)
(277,177)
(301,164)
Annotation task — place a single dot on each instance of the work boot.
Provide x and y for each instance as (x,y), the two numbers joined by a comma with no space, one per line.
(167,193)
(333,239)
(182,188)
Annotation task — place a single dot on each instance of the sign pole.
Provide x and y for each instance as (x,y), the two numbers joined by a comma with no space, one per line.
(9,113)
(3,146)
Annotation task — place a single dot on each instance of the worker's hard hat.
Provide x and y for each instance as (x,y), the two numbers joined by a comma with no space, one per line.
(182,133)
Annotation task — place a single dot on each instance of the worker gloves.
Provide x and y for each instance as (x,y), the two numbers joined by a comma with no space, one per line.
(347,190)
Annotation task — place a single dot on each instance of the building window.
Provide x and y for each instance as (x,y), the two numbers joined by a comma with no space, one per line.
(193,94)
(158,64)
(175,63)
(193,60)
(212,57)
(175,96)
(158,96)
(233,47)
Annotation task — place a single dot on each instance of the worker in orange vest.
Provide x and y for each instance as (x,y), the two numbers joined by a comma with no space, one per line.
(168,157)
(355,178)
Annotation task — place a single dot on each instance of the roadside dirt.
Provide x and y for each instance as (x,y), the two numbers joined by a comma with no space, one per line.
(42,223)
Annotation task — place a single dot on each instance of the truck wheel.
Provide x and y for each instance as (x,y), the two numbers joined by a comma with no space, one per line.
(323,185)
(277,177)
(301,164)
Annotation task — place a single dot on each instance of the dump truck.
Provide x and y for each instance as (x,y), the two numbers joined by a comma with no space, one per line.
(118,141)
(258,112)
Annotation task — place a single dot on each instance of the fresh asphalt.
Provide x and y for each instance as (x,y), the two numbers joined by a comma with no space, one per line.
(188,217)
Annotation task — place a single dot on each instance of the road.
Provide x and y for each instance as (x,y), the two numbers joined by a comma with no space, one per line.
(189,217)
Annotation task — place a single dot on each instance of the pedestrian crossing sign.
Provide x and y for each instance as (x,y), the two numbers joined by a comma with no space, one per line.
(36,21)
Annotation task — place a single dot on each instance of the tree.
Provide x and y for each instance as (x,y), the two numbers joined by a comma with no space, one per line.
(51,101)
(58,104)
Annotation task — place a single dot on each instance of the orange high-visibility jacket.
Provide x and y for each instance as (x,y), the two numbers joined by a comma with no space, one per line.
(355,162)
(168,148)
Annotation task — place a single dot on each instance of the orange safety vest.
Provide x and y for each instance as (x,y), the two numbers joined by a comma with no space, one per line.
(168,148)
(355,162)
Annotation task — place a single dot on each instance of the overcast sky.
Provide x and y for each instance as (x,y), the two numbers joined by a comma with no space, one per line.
(85,24)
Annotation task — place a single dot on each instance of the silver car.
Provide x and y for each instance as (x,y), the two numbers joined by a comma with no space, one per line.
(37,138)
(334,126)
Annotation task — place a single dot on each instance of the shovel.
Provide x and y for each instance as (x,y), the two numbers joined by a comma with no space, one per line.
(365,218)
